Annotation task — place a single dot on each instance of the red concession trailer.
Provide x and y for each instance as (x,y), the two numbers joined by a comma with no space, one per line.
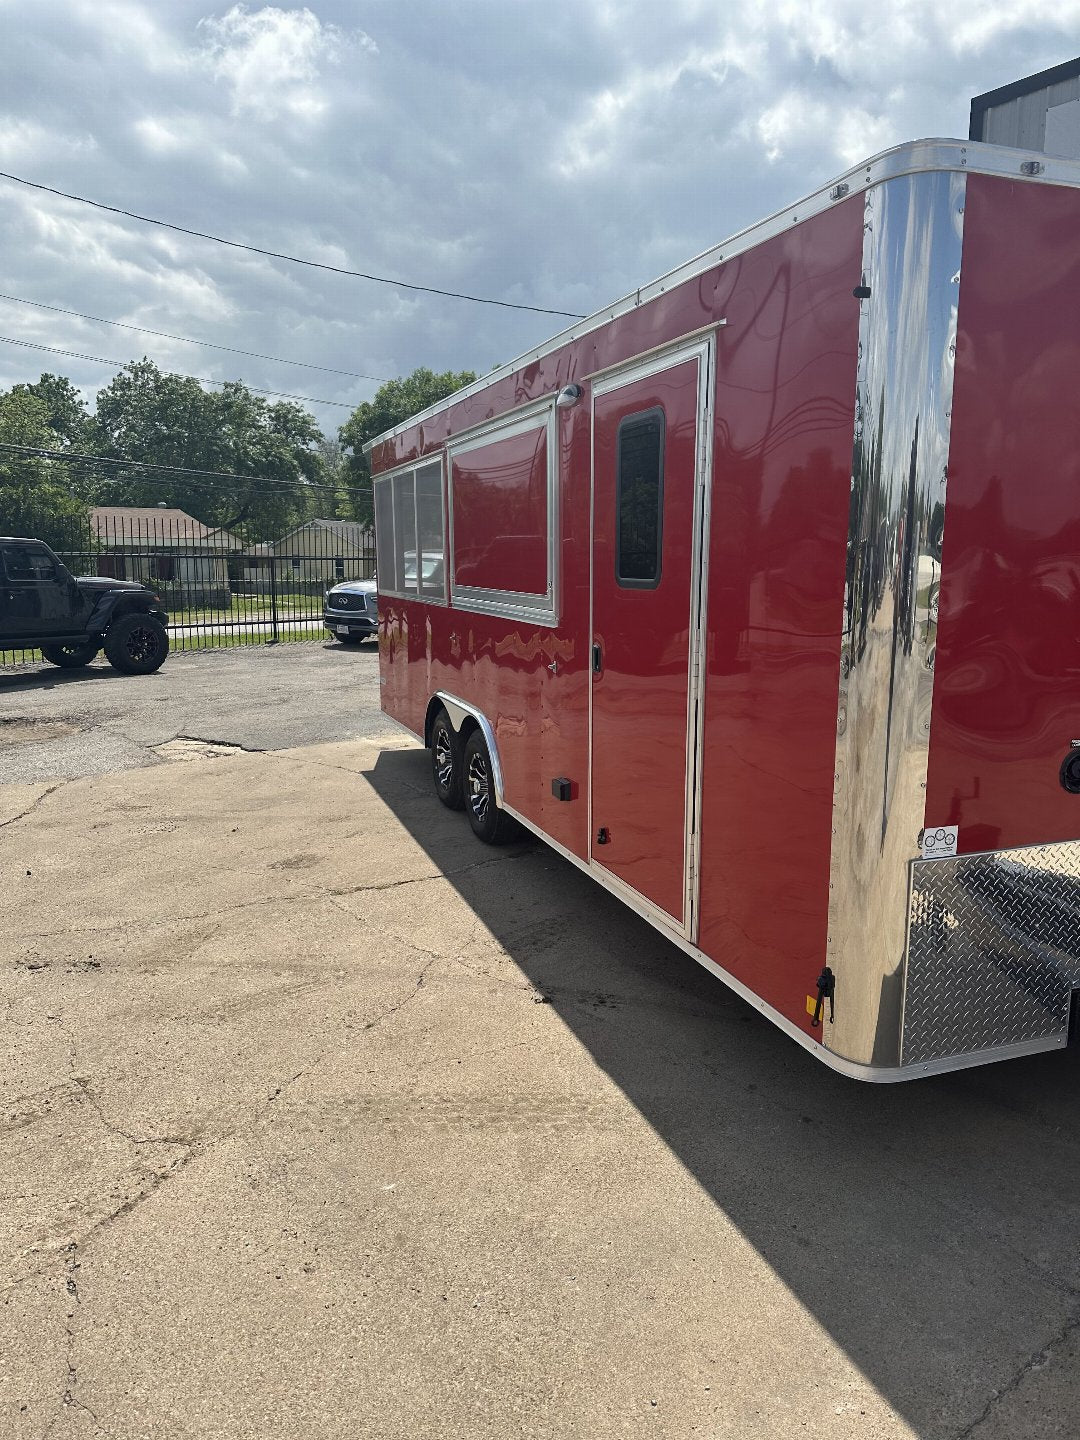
(757,596)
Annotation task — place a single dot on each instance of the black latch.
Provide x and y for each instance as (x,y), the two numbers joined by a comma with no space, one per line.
(861,292)
(602,836)
(826,989)
(562,788)
(597,658)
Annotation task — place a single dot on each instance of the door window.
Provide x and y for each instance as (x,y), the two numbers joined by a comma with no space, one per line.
(639,500)
(29,565)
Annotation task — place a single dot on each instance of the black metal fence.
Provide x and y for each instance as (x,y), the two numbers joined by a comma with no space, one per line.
(221,588)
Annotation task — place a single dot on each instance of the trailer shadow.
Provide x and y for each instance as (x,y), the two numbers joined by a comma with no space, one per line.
(929,1227)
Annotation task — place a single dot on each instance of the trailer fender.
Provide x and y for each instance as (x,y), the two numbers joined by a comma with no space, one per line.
(463,717)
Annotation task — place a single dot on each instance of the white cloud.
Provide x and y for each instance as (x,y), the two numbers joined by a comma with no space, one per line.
(21,139)
(157,137)
(555,154)
(273,59)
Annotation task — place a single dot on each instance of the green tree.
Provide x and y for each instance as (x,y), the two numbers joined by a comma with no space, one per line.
(36,495)
(394,402)
(146,414)
(66,412)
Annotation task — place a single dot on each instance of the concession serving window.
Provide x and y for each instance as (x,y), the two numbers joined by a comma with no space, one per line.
(410,533)
(503,517)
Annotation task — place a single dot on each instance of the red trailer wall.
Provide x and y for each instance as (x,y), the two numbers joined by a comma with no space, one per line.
(1007,671)
(781,479)
(781,494)
(500,514)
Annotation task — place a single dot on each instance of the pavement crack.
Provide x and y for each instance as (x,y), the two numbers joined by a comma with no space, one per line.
(69,1398)
(50,790)
(399,1005)
(427,879)
(219,744)
(1034,1362)
(115,1129)
(211,913)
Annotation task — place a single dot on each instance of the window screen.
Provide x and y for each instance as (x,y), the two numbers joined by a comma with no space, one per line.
(410,533)
(429,518)
(384,536)
(639,501)
(404,532)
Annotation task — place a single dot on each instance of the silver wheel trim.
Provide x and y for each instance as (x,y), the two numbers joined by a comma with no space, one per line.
(479,793)
(444,758)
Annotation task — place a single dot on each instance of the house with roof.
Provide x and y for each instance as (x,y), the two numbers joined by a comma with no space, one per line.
(165,548)
(324,551)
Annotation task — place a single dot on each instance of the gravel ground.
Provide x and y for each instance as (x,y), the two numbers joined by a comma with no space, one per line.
(65,724)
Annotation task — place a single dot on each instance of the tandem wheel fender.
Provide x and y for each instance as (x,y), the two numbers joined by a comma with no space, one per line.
(459,711)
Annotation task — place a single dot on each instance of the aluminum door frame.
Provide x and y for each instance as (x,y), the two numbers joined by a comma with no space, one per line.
(701,348)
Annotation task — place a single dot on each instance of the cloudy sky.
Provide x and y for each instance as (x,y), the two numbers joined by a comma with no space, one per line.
(553,155)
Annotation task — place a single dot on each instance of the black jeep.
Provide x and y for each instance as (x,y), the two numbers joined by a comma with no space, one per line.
(44,607)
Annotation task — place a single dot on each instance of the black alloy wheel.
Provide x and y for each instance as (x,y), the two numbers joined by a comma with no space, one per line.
(137,644)
(71,657)
(446,763)
(489,824)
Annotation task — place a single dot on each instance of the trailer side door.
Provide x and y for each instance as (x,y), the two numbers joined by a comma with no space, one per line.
(649,480)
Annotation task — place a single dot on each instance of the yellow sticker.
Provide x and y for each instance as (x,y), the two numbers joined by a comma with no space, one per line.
(811,1004)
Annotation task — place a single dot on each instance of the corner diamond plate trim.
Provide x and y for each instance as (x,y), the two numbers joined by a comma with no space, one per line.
(993,950)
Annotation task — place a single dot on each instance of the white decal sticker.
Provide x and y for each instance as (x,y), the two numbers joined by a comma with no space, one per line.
(938,841)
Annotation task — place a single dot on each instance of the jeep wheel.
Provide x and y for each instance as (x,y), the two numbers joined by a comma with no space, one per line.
(137,644)
(70,657)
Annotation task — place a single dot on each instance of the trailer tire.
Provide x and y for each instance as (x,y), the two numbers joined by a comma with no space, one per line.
(489,824)
(446,763)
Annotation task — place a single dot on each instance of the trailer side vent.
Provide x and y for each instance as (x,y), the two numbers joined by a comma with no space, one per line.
(562,788)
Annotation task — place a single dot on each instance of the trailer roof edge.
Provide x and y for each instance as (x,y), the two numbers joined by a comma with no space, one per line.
(912,157)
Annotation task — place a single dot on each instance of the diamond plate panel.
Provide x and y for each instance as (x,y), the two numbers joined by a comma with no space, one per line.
(993,950)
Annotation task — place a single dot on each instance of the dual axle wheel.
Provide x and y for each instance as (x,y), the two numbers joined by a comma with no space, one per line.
(462,775)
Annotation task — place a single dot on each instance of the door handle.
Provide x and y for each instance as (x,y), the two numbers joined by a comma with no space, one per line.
(597,658)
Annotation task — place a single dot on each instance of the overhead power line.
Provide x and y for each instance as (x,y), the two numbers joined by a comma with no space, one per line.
(69,457)
(121,364)
(187,340)
(292,259)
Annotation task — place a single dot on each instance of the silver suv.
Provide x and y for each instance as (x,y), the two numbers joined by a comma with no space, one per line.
(351,610)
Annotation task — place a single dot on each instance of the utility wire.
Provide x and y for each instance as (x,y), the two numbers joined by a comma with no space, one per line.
(69,457)
(281,255)
(187,340)
(122,364)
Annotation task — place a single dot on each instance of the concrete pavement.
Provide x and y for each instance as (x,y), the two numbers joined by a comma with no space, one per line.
(320,1119)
